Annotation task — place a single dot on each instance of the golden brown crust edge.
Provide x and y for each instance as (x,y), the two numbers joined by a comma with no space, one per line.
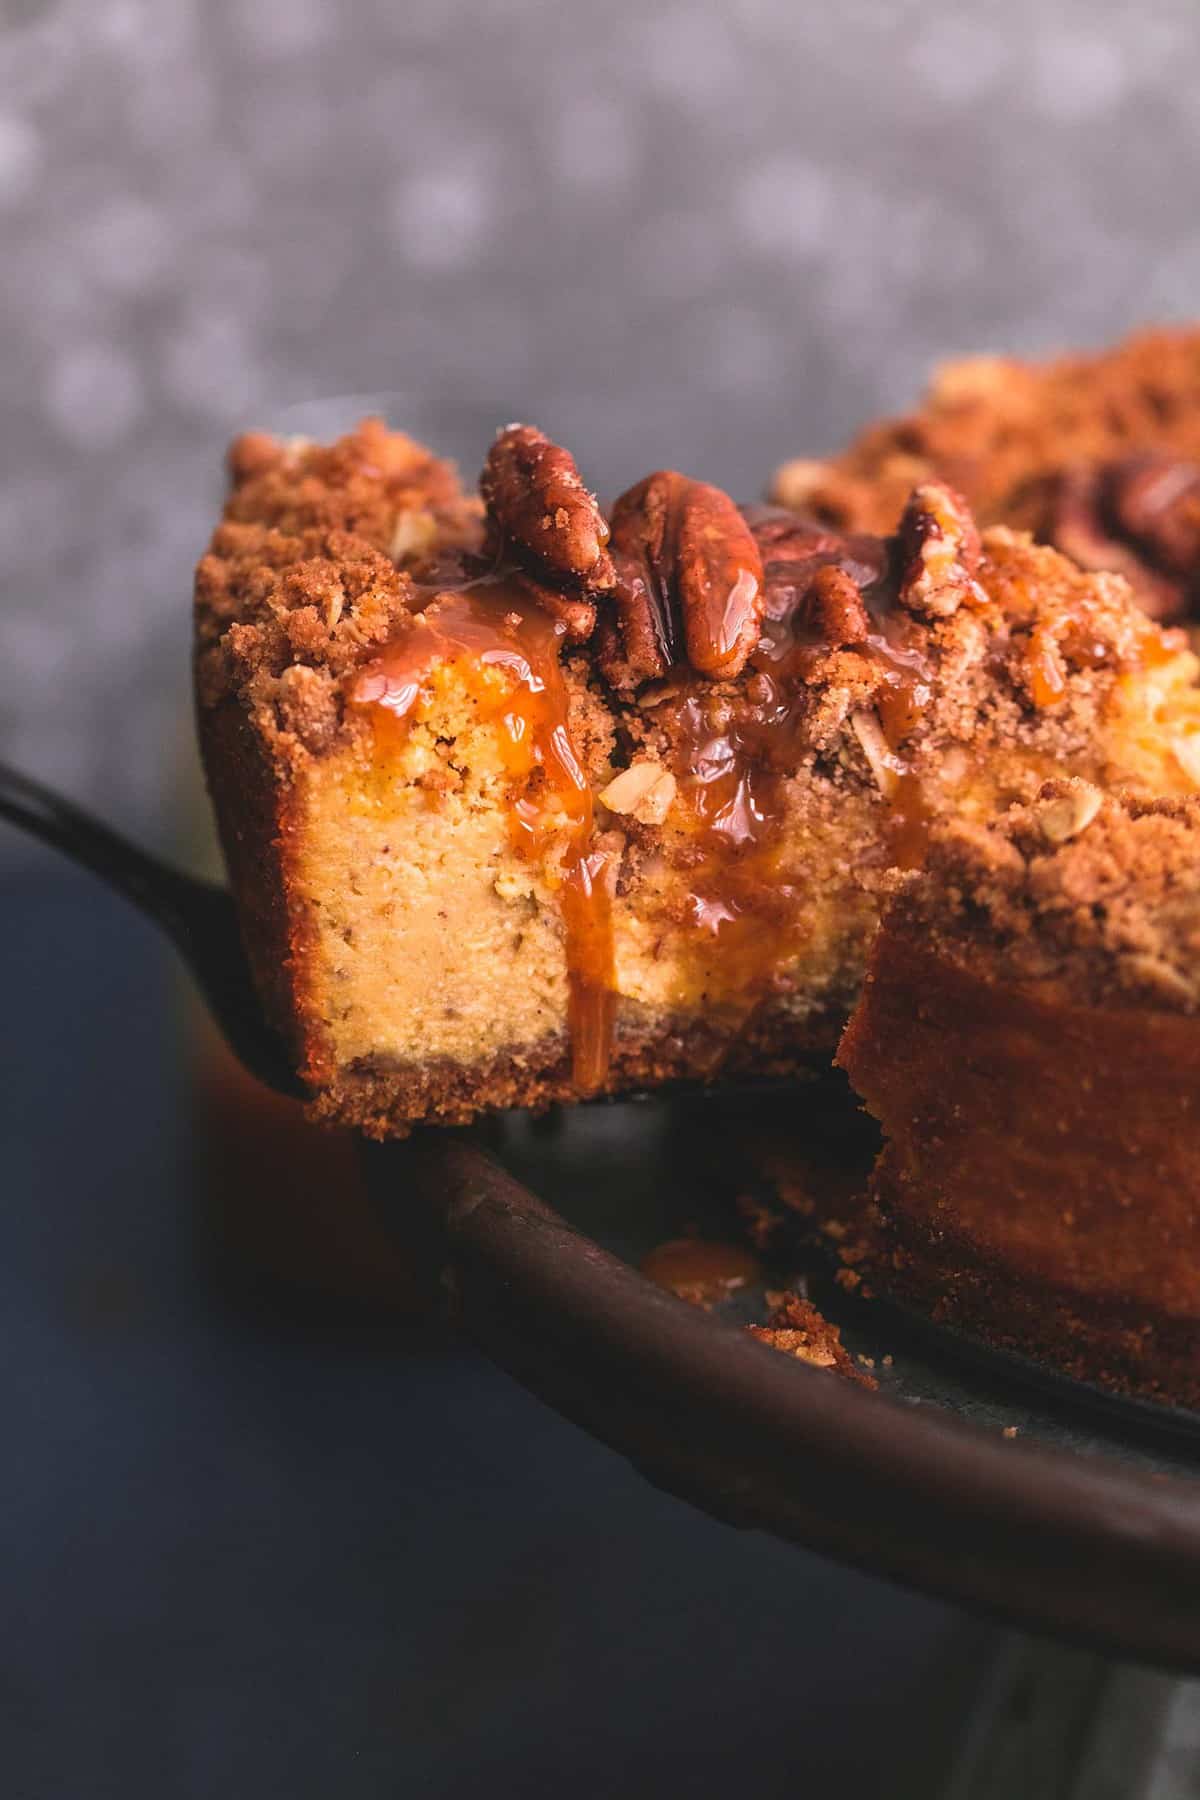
(256,829)
(306,575)
(389,1101)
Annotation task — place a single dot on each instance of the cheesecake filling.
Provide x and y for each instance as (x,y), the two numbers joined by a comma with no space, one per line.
(489,624)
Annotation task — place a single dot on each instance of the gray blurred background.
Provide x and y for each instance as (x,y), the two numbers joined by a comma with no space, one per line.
(700,235)
(248,1549)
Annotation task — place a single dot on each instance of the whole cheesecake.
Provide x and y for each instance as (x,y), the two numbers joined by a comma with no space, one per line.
(521,801)
(1097,453)
(1029,1040)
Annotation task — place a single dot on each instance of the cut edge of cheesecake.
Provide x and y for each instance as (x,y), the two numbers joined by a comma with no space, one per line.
(1029,1041)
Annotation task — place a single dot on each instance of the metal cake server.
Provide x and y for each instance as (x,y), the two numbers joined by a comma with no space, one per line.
(197,916)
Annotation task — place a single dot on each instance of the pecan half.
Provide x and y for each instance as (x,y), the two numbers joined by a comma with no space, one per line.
(838,609)
(572,610)
(1076,523)
(939,550)
(1156,500)
(817,574)
(689,582)
(646,643)
(536,500)
(719,573)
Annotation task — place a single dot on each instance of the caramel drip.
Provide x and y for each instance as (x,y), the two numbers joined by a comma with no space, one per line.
(1046,675)
(899,705)
(909,822)
(733,770)
(492,624)
(586,902)
(701,1270)
(737,758)
(1069,642)
(734,761)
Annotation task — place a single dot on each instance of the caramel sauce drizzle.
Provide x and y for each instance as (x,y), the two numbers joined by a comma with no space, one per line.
(492,622)
(700,1269)
(1069,643)
(736,760)
(899,705)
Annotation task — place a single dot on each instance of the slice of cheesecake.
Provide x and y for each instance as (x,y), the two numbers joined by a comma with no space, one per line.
(1029,1039)
(520,802)
(1096,453)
